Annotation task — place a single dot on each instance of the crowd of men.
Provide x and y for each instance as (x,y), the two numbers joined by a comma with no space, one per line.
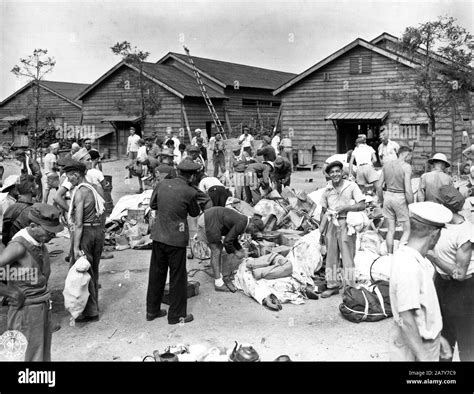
(431,283)
(431,315)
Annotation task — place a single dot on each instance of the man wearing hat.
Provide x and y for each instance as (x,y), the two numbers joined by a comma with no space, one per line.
(413,299)
(454,280)
(396,180)
(30,166)
(431,182)
(10,189)
(282,173)
(165,168)
(218,222)
(27,292)
(388,149)
(85,215)
(51,175)
(171,135)
(267,150)
(173,199)
(365,157)
(194,155)
(336,202)
(218,155)
(198,133)
(15,217)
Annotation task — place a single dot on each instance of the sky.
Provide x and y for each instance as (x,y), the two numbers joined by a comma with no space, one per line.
(288,35)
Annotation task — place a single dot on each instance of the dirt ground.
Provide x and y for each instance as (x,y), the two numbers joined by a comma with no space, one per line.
(314,331)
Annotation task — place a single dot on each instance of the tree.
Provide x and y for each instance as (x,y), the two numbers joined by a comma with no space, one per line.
(443,80)
(35,67)
(149,102)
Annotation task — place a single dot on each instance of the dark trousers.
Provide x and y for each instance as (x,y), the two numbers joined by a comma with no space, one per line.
(163,257)
(92,244)
(456,300)
(219,163)
(218,195)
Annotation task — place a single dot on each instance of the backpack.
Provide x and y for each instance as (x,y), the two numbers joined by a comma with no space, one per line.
(369,303)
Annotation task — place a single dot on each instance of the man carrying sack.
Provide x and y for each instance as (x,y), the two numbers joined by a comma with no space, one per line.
(27,294)
(85,213)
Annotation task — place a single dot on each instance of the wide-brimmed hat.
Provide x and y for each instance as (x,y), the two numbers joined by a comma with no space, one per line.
(9,182)
(46,216)
(440,157)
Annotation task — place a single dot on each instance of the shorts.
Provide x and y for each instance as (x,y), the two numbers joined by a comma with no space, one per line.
(366,174)
(201,229)
(395,207)
(132,155)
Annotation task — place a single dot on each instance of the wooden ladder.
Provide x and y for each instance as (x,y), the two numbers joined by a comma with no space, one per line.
(205,95)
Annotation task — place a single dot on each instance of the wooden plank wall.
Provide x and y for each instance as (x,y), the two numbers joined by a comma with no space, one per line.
(198,113)
(246,115)
(23,104)
(102,102)
(306,104)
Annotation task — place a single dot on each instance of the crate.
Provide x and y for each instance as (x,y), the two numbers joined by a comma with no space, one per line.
(305,157)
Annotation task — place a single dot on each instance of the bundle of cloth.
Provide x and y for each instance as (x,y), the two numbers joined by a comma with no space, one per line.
(273,279)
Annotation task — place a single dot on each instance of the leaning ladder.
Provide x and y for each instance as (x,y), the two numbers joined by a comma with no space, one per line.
(205,95)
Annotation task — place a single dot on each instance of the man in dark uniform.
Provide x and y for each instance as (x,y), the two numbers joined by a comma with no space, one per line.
(30,166)
(218,222)
(281,173)
(174,199)
(267,150)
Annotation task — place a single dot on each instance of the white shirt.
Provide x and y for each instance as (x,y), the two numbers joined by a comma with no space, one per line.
(412,288)
(388,152)
(208,182)
(132,145)
(49,161)
(363,154)
(275,142)
(141,154)
(247,140)
(451,239)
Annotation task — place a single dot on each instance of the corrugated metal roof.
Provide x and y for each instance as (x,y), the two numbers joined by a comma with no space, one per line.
(357,116)
(67,89)
(178,80)
(248,76)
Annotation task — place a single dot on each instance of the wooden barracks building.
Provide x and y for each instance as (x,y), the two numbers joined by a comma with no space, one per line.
(345,94)
(58,105)
(240,94)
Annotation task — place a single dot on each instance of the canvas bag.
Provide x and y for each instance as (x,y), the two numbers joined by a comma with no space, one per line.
(76,287)
(368,303)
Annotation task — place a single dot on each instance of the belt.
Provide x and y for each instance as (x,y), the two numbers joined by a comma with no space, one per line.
(365,164)
(396,191)
(447,277)
(92,224)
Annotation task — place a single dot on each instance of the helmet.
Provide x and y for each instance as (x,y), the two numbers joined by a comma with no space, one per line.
(244,354)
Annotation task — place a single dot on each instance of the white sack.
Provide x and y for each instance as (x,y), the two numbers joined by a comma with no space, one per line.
(76,290)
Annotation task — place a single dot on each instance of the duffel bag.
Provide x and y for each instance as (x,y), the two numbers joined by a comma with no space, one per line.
(367,303)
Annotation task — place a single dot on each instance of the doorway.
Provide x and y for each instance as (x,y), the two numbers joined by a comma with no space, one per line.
(123,132)
(347,132)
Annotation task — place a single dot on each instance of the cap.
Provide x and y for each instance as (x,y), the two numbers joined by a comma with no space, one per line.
(336,163)
(440,157)
(188,166)
(46,216)
(245,128)
(74,165)
(198,131)
(278,162)
(430,213)
(9,182)
(75,145)
(81,154)
(451,198)
(192,148)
